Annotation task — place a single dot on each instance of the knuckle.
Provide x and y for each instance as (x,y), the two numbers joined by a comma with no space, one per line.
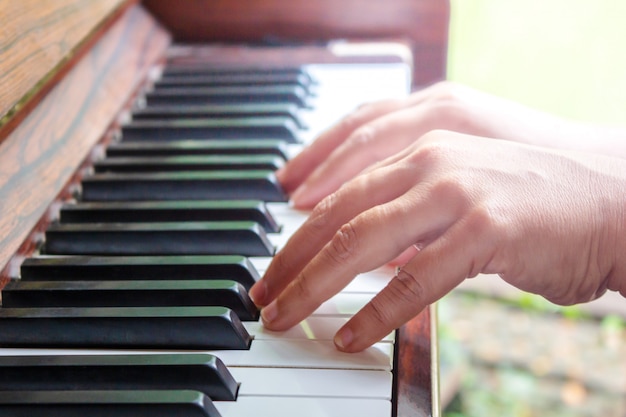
(352,121)
(301,288)
(321,215)
(445,92)
(362,136)
(402,298)
(431,152)
(282,262)
(381,312)
(344,245)
(408,289)
(447,107)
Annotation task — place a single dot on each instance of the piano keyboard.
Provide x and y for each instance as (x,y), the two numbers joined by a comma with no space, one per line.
(181,209)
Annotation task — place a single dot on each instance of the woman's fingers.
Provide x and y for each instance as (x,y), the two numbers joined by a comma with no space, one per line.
(300,167)
(370,143)
(358,196)
(363,243)
(428,276)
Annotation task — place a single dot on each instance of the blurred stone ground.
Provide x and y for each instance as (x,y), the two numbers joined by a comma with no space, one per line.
(507,353)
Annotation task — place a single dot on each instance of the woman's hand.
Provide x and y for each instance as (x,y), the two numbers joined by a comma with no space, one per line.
(549,222)
(378,130)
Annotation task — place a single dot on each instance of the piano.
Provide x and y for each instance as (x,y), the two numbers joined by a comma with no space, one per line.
(137,144)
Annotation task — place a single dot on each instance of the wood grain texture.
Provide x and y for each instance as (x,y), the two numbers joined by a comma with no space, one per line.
(423,23)
(36,37)
(417,369)
(40,155)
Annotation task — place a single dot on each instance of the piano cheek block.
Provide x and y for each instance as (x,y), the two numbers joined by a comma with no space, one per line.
(204,328)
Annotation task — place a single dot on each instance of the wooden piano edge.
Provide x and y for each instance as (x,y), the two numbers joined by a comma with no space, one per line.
(40,156)
(38,170)
(54,56)
(416,362)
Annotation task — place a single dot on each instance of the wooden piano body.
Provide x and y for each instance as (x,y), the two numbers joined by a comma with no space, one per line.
(68,68)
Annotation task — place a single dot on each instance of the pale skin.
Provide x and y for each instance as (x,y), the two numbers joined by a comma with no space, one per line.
(502,190)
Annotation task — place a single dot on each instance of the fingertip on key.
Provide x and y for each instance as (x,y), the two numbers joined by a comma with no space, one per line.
(299,195)
(258,293)
(343,338)
(269,314)
(280,174)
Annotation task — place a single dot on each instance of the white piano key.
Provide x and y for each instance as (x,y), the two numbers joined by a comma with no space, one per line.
(368,282)
(303,407)
(288,382)
(312,354)
(298,353)
(312,328)
(343,305)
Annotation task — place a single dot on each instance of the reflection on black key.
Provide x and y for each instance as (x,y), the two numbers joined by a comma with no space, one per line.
(191,69)
(288,93)
(203,328)
(169,211)
(182,238)
(81,268)
(198,371)
(196,185)
(164,112)
(210,129)
(199,147)
(106,403)
(160,293)
(188,163)
(249,79)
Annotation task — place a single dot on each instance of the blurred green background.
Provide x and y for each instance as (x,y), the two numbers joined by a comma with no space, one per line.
(523,356)
(563,56)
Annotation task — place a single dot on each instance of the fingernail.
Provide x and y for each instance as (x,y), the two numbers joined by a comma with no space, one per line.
(269,313)
(257,293)
(343,338)
(280,174)
(299,194)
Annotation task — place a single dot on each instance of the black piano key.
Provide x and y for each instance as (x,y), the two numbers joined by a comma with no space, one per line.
(166,238)
(199,147)
(206,69)
(200,372)
(232,79)
(159,293)
(287,93)
(169,211)
(202,328)
(210,129)
(48,268)
(187,163)
(106,404)
(196,185)
(290,111)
